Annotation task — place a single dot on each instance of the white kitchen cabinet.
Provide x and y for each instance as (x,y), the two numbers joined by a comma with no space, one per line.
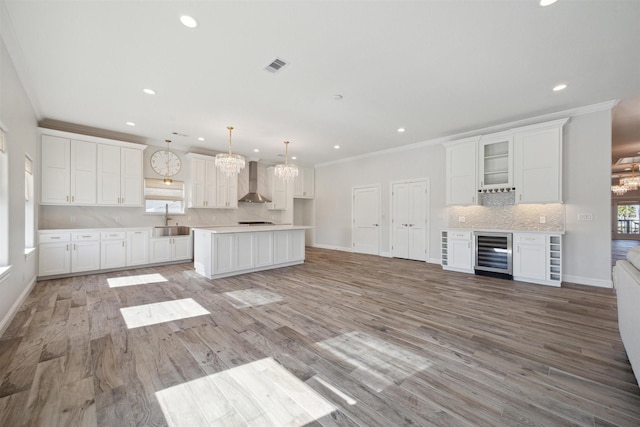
(277,191)
(304,183)
(264,248)
(461,176)
(226,191)
(288,246)
(54,254)
(233,252)
(113,249)
(68,172)
(457,250)
(538,163)
(537,258)
(167,249)
(85,251)
(495,161)
(408,220)
(203,185)
(120,176)
(138,247)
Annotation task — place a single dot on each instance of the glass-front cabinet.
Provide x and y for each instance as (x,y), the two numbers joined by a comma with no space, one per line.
(495,162)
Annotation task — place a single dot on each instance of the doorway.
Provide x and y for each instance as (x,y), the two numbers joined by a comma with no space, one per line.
(366,220)
(409,221)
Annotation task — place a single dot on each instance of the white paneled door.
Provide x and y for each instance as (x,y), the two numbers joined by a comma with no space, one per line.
(409,219)
(366,220)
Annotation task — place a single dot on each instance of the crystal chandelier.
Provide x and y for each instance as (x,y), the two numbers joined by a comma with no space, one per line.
(619,189)
(631,182)
(230,164)
(286,172)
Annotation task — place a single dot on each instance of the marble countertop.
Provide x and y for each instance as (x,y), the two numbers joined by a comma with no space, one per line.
(493,230)
(250,228)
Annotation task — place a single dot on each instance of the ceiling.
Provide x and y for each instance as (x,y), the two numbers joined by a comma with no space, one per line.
(435,68)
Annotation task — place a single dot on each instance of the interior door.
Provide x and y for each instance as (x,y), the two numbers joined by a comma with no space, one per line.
(366,220)
(409,220)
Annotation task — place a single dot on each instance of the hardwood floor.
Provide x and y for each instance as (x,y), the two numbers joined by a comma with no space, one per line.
(344,339)
(619,249)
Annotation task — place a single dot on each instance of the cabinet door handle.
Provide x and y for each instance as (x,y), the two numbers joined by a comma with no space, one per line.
(73,199)
(123,243)
(518,249)
(520,197)
(67,248)
(67,198)
(468,245)
(123,200)
(52,238)
(75,247)
(473,199)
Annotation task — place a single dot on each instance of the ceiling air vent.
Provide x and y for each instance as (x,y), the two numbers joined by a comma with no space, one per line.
(276,65)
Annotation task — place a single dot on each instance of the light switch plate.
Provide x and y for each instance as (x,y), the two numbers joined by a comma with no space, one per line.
(462,219)
(543,219)
(585,217)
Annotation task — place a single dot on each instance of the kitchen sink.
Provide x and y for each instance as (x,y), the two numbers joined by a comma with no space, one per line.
(171,230)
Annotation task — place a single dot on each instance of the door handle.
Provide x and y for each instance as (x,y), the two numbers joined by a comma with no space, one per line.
(375,225)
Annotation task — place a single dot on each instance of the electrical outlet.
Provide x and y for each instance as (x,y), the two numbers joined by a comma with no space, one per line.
(73,219)
(462,219)
(118,219)
(543,219)
(585,217)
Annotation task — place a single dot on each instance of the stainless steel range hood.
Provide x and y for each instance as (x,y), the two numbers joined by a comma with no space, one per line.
(253,196)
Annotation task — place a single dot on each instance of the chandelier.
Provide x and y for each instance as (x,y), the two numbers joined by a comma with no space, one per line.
(286,172)
(631,182)
(230,164)
(619,190)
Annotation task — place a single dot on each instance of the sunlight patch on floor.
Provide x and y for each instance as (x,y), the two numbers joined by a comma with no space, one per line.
(378,363)
(251,297)
(142,279)
(160,312)
(261,393)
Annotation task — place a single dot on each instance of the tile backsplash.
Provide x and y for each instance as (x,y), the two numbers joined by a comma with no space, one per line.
(497,215)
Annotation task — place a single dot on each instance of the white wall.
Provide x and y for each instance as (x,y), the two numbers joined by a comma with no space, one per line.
(586,163)
(334,184)
(20,120)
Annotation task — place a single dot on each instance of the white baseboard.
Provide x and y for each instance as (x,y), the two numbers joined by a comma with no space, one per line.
(386,254)
(587,281)
(4,323)
(333,248)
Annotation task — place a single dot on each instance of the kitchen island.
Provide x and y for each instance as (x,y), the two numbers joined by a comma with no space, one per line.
(231,250)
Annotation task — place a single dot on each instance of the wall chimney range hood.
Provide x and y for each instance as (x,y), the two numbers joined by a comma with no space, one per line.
(253,196)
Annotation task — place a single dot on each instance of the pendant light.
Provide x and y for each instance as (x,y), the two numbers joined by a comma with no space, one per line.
(287,171)
(230,164)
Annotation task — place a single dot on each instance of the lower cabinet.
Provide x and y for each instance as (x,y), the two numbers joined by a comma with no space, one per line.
(228,254)
(536,258)
(166,249)
(457,250)
(54,254)
(85,252)
(113,249)
(138,247)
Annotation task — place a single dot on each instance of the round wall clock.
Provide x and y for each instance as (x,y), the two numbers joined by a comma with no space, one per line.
(165,163)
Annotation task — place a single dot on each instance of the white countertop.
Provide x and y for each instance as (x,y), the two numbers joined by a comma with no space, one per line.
(493,230)
(250,228)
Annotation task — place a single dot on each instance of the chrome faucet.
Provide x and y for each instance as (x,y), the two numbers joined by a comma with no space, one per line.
(166,214)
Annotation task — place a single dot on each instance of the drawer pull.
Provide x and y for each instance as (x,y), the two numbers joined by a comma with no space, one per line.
(55,237)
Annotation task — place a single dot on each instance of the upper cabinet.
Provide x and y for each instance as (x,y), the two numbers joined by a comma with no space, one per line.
(495,162)
(210,188)
(527,159)
(120,176)
(461,172)
(304,183)
(89,171)
(538,163)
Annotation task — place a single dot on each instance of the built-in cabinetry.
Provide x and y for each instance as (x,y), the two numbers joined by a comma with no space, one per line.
(75,251)
(457,250)
(166,249)
(277,190)
(495,161)
(227,253)
(68,171)
(537,258)
(304,183)
(461,176)
(120,176)
(528,159)
(89,171)
(210,188)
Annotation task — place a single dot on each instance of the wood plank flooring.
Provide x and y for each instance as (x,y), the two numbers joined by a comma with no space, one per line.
(342,340)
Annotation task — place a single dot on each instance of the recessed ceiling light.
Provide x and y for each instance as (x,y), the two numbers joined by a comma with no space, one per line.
(559,87)
(336,147)
(149,91)
(401,130)
(544,3)
(131,123)
(188,21)
(255,150)
(293,157)
(200,138)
